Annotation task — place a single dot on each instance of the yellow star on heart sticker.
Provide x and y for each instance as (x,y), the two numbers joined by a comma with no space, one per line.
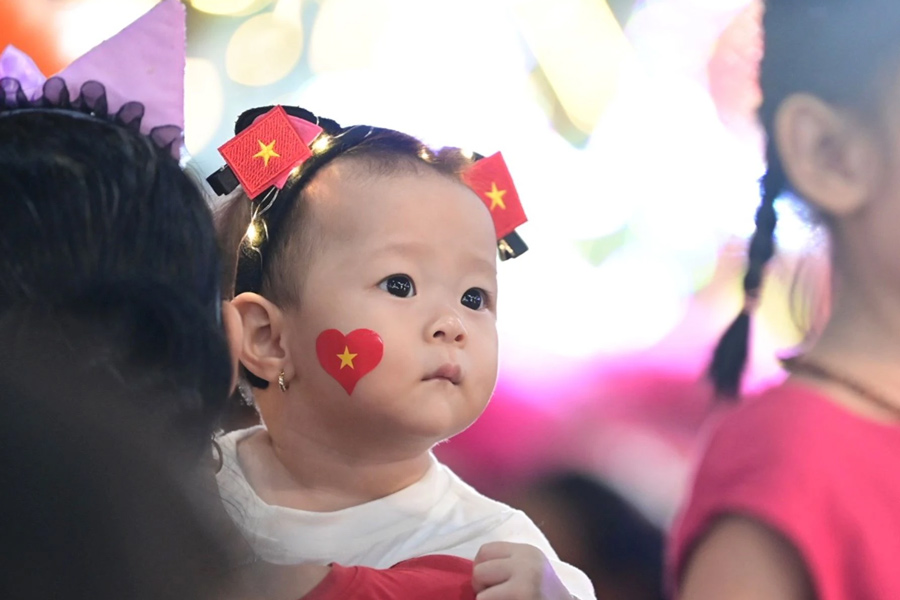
(347,358)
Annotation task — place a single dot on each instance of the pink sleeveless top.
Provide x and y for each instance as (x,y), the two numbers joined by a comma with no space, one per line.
(826,479)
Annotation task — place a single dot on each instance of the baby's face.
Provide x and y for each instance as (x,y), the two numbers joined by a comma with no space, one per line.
(411,257)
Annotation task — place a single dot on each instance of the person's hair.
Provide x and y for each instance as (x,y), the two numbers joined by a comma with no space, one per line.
(292,240)
(101,499)
(839,51)
(103,226)
(620,543)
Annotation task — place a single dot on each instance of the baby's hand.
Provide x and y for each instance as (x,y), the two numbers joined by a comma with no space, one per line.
(505,571)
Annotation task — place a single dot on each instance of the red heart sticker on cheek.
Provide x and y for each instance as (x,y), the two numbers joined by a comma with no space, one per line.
(348,358)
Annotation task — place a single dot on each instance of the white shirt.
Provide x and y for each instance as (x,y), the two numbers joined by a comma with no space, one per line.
(439,514)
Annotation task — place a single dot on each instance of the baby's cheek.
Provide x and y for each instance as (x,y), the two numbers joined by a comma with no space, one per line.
(385,371)
(485,348)
(398,363)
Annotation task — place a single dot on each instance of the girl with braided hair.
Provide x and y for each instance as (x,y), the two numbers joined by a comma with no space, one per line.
(796,496)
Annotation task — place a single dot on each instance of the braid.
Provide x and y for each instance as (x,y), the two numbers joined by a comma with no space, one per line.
(762,244)
(730,356)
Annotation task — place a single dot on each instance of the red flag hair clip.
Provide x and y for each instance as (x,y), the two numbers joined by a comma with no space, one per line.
(266,153)
(491,180)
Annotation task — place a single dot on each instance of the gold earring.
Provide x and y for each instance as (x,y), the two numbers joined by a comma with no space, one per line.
(219,457)
(281,383)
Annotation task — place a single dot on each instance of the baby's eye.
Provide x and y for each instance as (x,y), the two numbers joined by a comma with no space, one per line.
(474,298)
(401,286)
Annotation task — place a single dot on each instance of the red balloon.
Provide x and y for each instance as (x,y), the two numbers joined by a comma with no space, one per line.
(29,26)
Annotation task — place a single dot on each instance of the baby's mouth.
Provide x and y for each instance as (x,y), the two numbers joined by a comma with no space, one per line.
(447,372)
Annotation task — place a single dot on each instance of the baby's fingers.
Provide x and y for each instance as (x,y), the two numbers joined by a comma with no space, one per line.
(495,550)
(490,573)
(510,590)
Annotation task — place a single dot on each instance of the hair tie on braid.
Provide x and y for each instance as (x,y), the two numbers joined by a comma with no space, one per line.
(751,302)
(730,355)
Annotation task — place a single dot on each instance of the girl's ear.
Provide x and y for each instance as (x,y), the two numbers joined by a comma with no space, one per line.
(831,160)
(263,347)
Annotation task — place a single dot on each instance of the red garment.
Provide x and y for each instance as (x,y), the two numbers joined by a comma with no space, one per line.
(435,577)
(825,478)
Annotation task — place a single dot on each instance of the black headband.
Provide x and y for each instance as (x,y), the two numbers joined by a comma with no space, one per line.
(271,206)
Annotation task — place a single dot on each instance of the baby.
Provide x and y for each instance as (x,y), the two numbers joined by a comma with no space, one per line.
(367,287)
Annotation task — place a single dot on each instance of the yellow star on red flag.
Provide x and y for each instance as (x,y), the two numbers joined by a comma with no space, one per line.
(266,151)
(496,196)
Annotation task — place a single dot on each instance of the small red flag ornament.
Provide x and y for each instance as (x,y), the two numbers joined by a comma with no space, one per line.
(491,180)
(265,152)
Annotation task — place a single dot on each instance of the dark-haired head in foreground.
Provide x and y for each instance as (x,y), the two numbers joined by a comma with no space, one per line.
(115,366)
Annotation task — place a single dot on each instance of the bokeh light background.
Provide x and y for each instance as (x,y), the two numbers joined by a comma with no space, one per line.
(629,128)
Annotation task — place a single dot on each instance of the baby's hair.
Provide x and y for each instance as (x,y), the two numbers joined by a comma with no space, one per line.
(292,242)
(102,225)
(383,154)
(839,51)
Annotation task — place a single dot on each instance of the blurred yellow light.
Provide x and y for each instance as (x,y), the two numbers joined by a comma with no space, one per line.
(322,143)
(346,33)
(581,49)
(254,234)
(203,103)
(264,49)
(467,153)
(234,8)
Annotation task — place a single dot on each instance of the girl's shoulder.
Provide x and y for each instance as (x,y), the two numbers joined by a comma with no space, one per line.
(794,425)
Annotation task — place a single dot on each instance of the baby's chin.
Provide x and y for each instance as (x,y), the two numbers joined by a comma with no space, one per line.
(441,423)
(428,420)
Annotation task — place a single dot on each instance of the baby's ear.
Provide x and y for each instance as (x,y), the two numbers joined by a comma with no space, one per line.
(263,351)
